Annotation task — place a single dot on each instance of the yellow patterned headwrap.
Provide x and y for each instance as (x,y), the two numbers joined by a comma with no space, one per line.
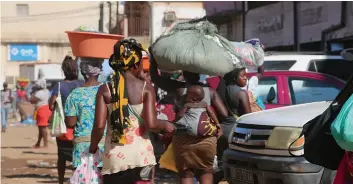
(127,53)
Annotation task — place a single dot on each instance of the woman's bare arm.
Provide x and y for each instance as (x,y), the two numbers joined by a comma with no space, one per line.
(70,121)
(218,105)
(150,113)
(244,102)
(52,102)
(101,115)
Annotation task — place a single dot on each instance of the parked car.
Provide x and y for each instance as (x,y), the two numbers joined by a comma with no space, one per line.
(284,88)
(258,150)
(333,65)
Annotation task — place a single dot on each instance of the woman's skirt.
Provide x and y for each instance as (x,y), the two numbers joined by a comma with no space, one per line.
(65,149)
(43,114)
(194,152)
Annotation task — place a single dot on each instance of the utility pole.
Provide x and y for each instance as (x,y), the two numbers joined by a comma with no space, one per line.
(117,18)
(101,16)
(110,16)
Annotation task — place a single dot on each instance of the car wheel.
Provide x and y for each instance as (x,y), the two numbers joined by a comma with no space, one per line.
(328,176)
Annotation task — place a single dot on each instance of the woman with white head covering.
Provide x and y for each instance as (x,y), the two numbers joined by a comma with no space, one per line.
(40,97)
(80,108)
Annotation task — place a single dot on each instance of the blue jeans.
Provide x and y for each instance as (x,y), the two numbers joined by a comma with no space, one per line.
(4,113)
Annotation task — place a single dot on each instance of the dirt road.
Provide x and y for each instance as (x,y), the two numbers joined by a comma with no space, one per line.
(21,164)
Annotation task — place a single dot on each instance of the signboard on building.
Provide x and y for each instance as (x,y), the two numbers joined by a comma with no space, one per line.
(316,16)
(272,24)
(23,52)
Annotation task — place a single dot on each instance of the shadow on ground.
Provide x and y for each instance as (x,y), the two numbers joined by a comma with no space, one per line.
(43,176)
(16,147)
(38,153)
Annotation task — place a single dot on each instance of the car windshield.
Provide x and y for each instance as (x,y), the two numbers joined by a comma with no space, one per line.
(278,65)
(336,67)
(304,90)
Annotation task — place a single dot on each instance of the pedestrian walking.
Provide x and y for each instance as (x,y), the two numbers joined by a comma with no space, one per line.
(80,106)
(6,100)
(40,97)
(127,102)
(64,142)
(194,155)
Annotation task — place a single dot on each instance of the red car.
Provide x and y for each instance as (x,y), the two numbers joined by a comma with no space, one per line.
(282,88)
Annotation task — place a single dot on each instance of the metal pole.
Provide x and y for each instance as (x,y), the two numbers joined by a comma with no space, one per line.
(151,22)
(117,18)
(110,17)
(296,22)
(101,14)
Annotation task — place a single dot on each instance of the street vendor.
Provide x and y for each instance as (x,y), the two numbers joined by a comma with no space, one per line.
(40,97)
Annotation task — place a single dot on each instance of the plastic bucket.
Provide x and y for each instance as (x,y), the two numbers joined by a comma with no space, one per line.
(146,63)
(94,45)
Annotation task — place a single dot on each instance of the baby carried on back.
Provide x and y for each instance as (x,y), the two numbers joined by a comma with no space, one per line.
(197,118)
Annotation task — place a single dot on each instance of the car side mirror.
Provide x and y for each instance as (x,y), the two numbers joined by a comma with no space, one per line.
(347,54)
(271,95)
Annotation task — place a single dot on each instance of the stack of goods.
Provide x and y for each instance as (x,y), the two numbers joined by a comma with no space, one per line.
(196,46)
(89,42)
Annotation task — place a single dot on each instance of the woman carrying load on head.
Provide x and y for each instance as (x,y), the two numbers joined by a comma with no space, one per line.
(194,156)
(40,97)
(64,142)
(80,106)
(127,102)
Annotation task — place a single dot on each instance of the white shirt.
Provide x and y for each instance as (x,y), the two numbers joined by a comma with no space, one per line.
(43,96)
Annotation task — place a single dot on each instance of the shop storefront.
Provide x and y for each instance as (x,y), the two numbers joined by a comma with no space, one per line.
(272,24)
(313,24)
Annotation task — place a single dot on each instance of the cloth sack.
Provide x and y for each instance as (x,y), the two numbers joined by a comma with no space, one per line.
(88,171)
(167,160)
(58,127)
(342,127)
(196,46)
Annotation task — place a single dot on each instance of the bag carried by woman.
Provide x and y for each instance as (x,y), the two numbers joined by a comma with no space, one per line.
(88,171)
(342,127)
(58,126)
(318,137)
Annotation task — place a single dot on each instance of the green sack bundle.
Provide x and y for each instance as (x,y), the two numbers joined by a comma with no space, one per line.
(195,46)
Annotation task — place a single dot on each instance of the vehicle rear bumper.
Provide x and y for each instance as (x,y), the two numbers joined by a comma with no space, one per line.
(271,169)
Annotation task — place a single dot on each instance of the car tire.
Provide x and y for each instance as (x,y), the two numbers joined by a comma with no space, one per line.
(328,176)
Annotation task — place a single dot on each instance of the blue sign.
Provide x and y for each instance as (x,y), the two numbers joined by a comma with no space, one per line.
(23,52)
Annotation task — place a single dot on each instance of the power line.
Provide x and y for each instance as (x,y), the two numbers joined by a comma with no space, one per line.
(50,18)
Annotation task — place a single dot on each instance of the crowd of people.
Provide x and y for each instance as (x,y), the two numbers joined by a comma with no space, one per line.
(118,117)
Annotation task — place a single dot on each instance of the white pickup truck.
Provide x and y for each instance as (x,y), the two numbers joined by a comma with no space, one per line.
(258,148)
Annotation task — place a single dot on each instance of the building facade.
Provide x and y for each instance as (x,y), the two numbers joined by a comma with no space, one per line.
(304,26)
(228,16)
(164,15)
(35,31)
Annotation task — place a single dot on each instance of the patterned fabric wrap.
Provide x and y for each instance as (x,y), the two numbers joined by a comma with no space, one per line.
(127,53)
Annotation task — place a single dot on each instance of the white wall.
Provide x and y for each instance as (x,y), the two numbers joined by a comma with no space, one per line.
(46,25)
(183,10)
